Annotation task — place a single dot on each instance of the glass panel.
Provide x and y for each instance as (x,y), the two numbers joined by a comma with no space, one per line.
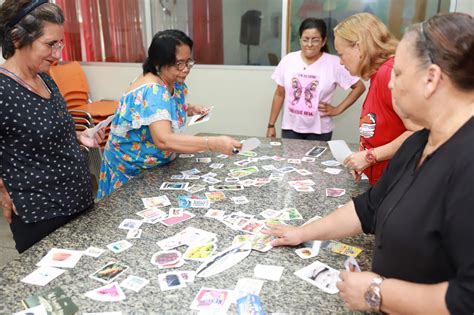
(396,14)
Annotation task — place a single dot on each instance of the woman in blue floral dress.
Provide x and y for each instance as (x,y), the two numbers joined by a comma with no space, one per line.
(145,131)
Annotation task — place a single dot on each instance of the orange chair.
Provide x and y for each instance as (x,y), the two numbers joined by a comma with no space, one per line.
(72,83)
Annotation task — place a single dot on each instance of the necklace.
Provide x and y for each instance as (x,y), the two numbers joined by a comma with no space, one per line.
(168,87)
(23,82)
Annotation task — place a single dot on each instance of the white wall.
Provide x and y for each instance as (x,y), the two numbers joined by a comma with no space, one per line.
(241,97)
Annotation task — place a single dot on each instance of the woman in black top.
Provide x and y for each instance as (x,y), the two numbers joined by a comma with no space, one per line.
(45,180)
(422,209)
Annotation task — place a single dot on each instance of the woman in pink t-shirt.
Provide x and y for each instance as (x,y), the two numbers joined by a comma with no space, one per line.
(306,82)
(366,48)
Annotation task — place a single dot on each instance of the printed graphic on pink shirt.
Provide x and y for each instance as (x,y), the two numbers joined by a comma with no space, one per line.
(304,97)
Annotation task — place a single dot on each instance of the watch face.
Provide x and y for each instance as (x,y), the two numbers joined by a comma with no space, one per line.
(372,298)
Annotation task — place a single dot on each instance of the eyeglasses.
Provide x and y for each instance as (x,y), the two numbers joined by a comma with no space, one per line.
(181,64)
(426,41)
(56,46)
(309,41)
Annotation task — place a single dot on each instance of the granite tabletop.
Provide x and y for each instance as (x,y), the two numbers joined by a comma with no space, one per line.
(99,227)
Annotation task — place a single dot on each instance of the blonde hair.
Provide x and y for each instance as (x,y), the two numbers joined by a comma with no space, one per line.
(376,42)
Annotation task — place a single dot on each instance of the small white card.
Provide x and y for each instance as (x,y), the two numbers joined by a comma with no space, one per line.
(43,275)
(61,258)
(94,251)
(134,283)
(268,272)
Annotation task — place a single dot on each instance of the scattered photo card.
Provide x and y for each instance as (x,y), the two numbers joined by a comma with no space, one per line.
(36,310)
(160,201)
(210,174)
(216,165)
(303,172)
(215,196)
(341,248)
(195,188)
(178,177)
(351,265)
(200,118)
(130,224)
(320,275)
(306,253)
(240,200)
(294,161)
(61,258)
(120,246)
(175,220)
(212,300)
(109,272)
(316,151)
(286,169)
(249,304)
(200,252)
(222,156)
(173,186)
(151,214)
(331,163)
(94,251)
(332,171)
(134,283)
(335,192)
(304,188)
(168,257)
(252,226)
(187,275)
(221,187)
(215,214)
(200,203)
(191,177)
(275,143)
(269,213)
(289,214)
(204,160)
(186,155)
(231,180)
(211,180)
(278,158)
(108,293)
(171,281)
(133,234)
(246,286)
(193,171)
(43,275)
(175,212)
(269,167)
(308,159)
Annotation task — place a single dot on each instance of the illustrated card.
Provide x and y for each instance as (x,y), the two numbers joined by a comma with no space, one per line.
(351,265)
(215,196)
(221,187)
(120,246)
(215,214)
(308,159)
(200,203)
(246,286)
(109,272)
(331,163)
(134,234)
(269,213)
(303,172)
(175,220)
(173,186)
(211,180)
(130,224)
(216,165)
(316,151)
(186,155)
(134,283)
(249,304)
(320,275)
(108,293)
(294,161)
(171,281)
(60,258)
(167,257)
(200,252)
(204,160)
(341,248)
(195,188)
(175,212)
(43,275)
(332,171)
(240,200)
(286,169)
(306,253)
(151,213)
(160,201)
(94,251)
(178,176)
(335,192)
(212,300)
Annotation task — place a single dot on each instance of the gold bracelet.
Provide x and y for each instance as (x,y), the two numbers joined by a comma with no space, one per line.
(207,144)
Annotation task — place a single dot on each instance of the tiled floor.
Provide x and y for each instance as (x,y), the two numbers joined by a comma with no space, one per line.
(7,245)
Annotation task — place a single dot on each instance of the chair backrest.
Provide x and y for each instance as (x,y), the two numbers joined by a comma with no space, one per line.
(70,78)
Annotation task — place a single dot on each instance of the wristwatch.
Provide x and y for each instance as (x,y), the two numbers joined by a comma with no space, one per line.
(370,156)
(373,295)
(270,125)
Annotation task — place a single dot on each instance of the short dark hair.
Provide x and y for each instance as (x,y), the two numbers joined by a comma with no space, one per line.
(162,51)
(29,28)
(447,40)
(320,25)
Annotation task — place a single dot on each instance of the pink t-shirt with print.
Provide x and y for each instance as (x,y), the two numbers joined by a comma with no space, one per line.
(308,85)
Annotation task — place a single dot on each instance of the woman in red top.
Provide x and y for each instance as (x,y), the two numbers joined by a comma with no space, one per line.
(366,48)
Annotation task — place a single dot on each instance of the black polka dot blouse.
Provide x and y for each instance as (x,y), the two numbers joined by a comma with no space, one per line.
(41,163)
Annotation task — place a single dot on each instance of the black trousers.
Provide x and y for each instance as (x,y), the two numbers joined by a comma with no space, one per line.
(290,134)
(28,234)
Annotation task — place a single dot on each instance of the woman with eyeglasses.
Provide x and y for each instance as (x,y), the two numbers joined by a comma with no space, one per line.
(421,210)
(306,82)
(45,180)
(145,132)
(366,48)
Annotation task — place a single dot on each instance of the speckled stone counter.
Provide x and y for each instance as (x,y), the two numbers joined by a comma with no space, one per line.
(99,227)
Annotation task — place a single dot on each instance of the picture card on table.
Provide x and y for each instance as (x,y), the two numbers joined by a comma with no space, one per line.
(43,275)
(171,281)
(130,224)
(335,192)
(61,258)
(316,151)
(175,220)
(134,283)
(214,301)
(109,272)
(320,275)
(108,293)
(246,286)
(119,246)
(173,185)
(160,201)
(94,251)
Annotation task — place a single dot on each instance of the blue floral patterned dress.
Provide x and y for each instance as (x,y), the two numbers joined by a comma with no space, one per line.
(130,148)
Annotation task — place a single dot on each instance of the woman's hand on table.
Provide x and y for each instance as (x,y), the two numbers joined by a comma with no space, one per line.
(286,235)
(352,288)
(356,161)
(224,144)
(6,203)
(94,142)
